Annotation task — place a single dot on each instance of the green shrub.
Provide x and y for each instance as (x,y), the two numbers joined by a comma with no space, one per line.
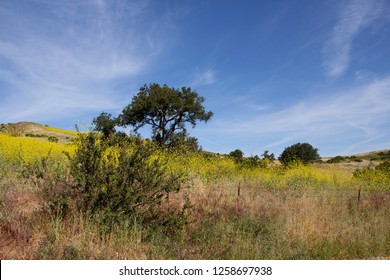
(304,153)
(105,124)
(237,155)
(384,167)
(267,156)
(355,159)
(184,143)
(52,139)
(375,178)
(254,162)
(336,159)
(384,155)
(35,135)
(123,178)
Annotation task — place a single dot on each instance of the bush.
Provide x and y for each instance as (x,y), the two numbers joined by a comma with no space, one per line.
(355,159)
(336,159)
(237,155)
(304,153)
(105,124)
(255,162)
(269,157)
(384,155)
(184,143)
(52,139)
(35,135)
(123,178)
(375,178)
(384,167)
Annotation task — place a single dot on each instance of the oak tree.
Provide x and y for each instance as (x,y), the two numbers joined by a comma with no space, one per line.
(167,110)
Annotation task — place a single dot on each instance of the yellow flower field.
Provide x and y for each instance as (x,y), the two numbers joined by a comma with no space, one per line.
(28,150)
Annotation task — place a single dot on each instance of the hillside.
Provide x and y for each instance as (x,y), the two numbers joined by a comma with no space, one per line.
(31,129)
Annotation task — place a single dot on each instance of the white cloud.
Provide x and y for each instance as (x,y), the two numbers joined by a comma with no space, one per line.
(361,112)
(353,17)
(364,75)
(64,56)
(205,78)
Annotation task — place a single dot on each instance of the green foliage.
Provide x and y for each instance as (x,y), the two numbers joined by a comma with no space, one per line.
(304,153)
(340,159)
(184,143)
(374,156)
(247,162)
(52,139)
(355,159)
(336,159)
(254,162)
(117,179)
(375,178)
(267,156)
(384,155)
(105,123)
(237,155)
(49,138)
(384,167)
(166,110)
(35,135)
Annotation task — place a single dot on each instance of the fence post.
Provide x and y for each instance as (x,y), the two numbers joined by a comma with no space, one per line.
(358,198)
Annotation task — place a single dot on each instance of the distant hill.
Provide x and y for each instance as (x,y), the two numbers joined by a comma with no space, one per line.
(375,155)
(31,129)
(380,155)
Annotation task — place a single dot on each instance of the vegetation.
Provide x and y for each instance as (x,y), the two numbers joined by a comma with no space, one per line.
(121,179)
(166,110)
(105,123)
(304,153)
(237,155)
(35,130)
(373,156)
(267,156)
(122,197)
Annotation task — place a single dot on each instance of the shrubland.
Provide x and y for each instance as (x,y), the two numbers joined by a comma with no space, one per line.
(120,197)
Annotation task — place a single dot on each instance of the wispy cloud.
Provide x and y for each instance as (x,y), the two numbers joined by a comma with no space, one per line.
(207,77)
(364,75)
(248,103)
(361,112)
(353,17)
(63,56)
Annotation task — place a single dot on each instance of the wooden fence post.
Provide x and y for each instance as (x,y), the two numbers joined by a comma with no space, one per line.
(358,198)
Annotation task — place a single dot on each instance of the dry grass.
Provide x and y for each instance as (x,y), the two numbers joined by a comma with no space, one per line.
(285,224)
(261,223)
(29,231)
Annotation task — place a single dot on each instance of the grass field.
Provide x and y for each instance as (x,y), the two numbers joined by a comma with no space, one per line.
(318,211)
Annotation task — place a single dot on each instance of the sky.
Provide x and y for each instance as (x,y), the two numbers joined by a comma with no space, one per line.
(274,73)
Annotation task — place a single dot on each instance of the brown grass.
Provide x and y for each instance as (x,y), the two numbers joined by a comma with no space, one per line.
(29,231)
(261,223)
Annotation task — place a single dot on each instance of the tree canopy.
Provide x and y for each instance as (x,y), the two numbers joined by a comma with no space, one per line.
(237,154)
(166,110)
(105,124)
(303,152)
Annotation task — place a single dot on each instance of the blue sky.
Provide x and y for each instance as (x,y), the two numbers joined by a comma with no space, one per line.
(273,72)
